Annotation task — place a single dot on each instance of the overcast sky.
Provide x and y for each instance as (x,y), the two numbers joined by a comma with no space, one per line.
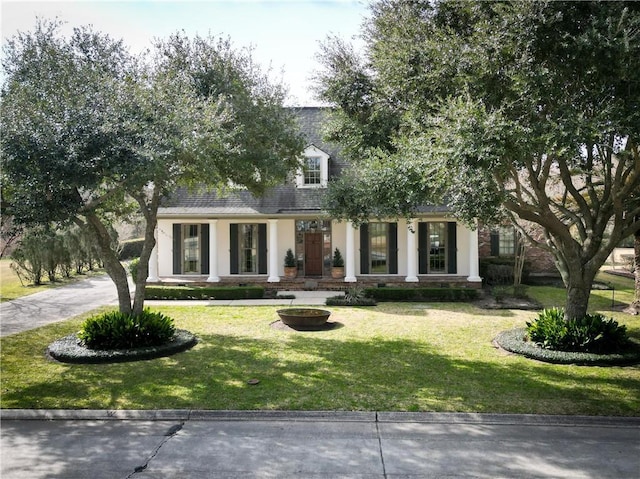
(283,33)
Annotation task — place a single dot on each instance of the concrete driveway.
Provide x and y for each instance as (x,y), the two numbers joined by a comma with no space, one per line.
(56,304)
(225,444)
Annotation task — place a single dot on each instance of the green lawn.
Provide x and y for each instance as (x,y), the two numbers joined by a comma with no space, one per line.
(396,357)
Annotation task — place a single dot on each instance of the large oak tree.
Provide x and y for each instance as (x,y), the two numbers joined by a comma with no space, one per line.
(521,110)
(91,133)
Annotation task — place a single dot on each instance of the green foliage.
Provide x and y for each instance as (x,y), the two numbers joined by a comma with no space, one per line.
(70,350)
(289,259)
(44,250)
(499,270)
(422,294)
(592,333)
(131,249)
(91,133)
(116,330)
(221,292)
(133,268)
(338,261)
(485,105)
(354,296)
(517,341)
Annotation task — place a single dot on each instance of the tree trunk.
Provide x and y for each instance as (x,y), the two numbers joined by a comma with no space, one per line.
(577,300)
(634,308)
(111,262)
(149,209)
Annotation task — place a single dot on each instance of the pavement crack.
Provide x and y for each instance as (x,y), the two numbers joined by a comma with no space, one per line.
(172,431)
(384,469)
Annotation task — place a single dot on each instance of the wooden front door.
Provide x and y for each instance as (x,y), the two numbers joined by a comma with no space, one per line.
(313,254)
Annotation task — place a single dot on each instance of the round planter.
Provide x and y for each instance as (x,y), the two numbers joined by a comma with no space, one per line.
(337,272)
(290,271)
(304,317)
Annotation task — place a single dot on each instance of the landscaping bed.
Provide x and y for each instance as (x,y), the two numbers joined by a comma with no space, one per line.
(70,349)
(515,341)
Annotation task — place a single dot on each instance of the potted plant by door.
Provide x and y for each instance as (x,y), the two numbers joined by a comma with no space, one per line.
(290,267)
(337,269)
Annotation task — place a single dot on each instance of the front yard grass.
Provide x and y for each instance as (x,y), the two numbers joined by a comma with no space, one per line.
(394,357)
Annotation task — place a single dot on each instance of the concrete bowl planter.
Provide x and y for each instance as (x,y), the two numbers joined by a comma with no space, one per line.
(304,317)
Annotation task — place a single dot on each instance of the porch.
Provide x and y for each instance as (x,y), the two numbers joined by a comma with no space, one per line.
(322,283)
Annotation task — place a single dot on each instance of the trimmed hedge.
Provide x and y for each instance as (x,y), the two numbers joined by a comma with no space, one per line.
(219,292)
(422,294)
(131,249)
(515,341)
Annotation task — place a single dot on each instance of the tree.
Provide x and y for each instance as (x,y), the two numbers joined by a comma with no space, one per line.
(90,132)
(521,110)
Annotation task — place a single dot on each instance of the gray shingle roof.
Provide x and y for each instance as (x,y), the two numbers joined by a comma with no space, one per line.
(281,200)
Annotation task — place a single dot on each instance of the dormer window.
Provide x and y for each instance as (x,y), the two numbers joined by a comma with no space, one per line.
(312,171)
(315,169)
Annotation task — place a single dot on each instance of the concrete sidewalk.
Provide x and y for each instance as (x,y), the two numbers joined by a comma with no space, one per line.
(279,444)
(58,304)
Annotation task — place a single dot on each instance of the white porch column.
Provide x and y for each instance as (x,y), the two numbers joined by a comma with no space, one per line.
(273,252)
(153,261)
(213,252)
(350,262)
(412,252)
(474,264)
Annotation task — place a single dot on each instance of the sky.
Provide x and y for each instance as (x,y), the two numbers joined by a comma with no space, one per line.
(284,34)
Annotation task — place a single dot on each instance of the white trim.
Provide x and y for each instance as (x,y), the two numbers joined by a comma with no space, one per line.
(273,252)
(213,252)
(412,252)
(312,151)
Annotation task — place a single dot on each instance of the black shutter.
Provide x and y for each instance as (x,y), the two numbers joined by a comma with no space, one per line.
(423,252)
(452,248)
(233,249)
(495,243)
(364,249)
(393,248)
(177,248)
(262,248)
(204,249)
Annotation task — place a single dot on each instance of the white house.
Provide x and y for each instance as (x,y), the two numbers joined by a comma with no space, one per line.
(237,238)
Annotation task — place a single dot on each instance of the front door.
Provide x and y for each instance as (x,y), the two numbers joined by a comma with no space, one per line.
(313,254)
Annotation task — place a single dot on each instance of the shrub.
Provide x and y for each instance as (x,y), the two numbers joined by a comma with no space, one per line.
(131,249)
(116,330)
(219,292)
(593,333)
(421,294)
(354,296)
(338,261)
(289,259)
(499,270)
(133,268)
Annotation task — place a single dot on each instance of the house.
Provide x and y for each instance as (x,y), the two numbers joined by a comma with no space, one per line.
(236,238)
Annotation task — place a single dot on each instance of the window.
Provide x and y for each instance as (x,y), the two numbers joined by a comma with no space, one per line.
(437,250)
(506,241)
(315,169)
(312,171)
(437,240)
(378,250)
(190,249)
(248,248)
